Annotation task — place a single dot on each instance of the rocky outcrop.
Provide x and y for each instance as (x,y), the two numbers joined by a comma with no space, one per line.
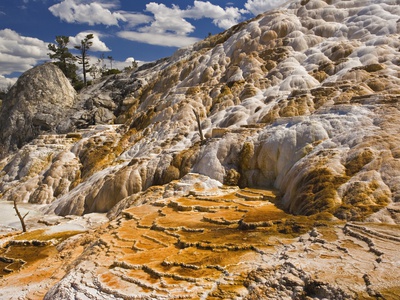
(37,103)
(44,102)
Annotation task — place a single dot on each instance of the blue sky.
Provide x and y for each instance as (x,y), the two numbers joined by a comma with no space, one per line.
(127,30)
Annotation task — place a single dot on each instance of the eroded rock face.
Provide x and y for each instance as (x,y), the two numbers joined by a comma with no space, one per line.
(37,103)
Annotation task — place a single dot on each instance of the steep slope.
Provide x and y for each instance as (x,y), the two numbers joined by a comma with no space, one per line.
(276,95)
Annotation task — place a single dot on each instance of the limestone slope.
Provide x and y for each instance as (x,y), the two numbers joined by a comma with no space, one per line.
(303,99)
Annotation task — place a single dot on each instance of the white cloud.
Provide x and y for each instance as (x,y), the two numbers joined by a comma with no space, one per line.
(174,19)
(91,13)
(169,25)
(108,4)
(257,7)
(12,63)
(223,18)
(13,43)
(19,53)
(5,83)
(123,64)
(160,39)
(130,60)
(97,45)
(134,19)
(167,28)
(167,20)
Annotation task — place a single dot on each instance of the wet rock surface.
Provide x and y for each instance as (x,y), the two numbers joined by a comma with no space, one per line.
(276,97)
(220,243)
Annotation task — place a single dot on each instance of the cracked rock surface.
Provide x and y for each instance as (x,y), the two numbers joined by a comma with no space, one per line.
(276,97)
(219,243)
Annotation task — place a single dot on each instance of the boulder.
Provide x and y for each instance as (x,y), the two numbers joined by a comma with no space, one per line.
(38,102)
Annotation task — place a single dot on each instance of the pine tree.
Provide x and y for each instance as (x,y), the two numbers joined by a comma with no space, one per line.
(83,59)
(65,59)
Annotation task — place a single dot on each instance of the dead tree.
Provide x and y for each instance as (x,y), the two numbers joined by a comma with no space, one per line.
(20,217)
(199,125)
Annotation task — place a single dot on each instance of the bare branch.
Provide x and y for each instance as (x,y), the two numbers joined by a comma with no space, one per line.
(20,217)
(199,124)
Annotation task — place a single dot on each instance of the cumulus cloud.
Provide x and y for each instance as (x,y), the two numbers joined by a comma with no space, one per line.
(167,20)
(160,39)
(127,63)
(159,24)
(6,83)
(98,45)
(223,18)
(19,53)
(13,43)
(92,13)
(174,19)
(108,4)
(134,19)
(169,26)
(259,6)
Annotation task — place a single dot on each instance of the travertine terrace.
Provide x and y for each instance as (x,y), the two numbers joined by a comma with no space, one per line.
(276,96)
(218,243)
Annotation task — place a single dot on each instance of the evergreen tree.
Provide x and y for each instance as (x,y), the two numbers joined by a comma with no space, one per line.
(111,59)
(83,59)
(65,59)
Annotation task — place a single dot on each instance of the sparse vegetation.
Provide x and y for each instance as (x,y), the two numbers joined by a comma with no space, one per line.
(83,58)
(134,66)
(65,60)
(111,72)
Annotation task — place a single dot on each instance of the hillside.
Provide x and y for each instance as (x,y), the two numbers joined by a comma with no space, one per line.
(297,177)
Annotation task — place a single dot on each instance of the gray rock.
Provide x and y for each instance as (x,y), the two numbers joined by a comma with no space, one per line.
(39,102)
(103,116)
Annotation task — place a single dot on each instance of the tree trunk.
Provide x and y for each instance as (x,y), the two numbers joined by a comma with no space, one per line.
(199,125)
(84,67)
(20,217)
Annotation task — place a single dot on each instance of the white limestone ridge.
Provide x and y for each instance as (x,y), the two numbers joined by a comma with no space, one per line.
(303,99)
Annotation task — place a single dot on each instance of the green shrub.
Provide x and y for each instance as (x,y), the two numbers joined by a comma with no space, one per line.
(111,72)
